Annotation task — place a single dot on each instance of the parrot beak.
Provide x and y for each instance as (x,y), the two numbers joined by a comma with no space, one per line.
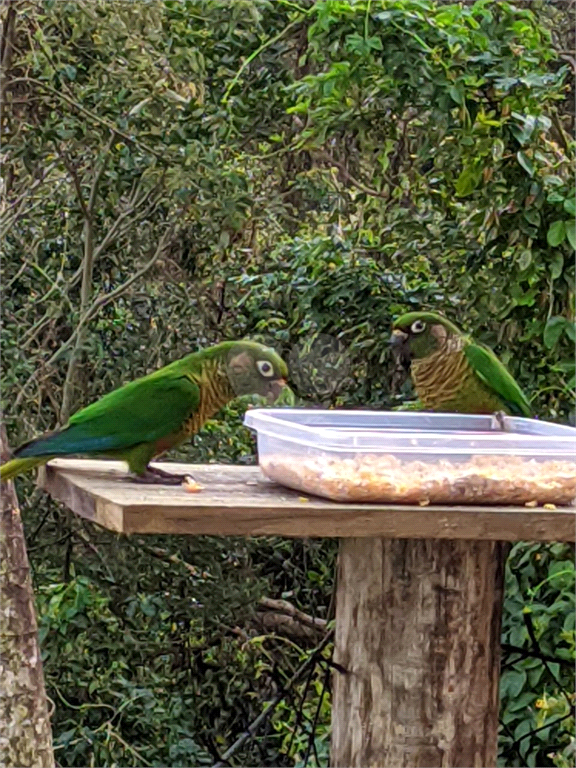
(398,338)
(275,390)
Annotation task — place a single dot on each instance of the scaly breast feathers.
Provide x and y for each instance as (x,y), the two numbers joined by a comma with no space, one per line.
(215,392)
(442,378)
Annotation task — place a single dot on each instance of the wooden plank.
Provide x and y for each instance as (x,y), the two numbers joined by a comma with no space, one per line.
(239,501)
(418,633)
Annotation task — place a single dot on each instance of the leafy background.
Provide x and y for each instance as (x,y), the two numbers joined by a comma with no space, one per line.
(176,173)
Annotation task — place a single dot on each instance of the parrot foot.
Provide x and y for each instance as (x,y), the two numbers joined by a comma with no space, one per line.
(500,416)
(155,476)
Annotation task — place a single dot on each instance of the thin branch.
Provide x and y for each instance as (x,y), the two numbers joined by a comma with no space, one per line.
(28,248)
(562,135)
(534,654)
(514,745)
(162,554)
(311,738)
(128,213)
(9,221)
(355,183)
(259,50)
(532,635)
(85,537)
(269,709)
(283,606)
(90,114)
(8,46)
(75,180)
(21,269)
(138,755)
(300,711)
(19,202)
(99,173)
(115,230)
(97,305)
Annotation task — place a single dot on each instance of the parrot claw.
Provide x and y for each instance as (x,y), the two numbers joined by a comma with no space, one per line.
(155,476)
(500,416)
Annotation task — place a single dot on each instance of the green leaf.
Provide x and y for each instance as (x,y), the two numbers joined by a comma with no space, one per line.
(524,727)
(516,683)
(556,233)
(534,676)
(375,43)
(497,149)
(525,259)
(526,163)
(467,181)
(554,669)
(553,330)
(522,701)
(532,216)
(556,265)
(513,681)
(570,233)
(570,206)
(457,92)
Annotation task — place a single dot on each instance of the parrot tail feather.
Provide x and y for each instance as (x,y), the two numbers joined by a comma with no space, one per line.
(16,466)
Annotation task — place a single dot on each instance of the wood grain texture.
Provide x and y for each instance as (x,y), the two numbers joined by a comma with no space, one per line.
(25,732)
(418,631)
(240,501)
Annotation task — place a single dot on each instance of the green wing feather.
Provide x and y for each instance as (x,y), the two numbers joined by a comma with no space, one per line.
(493,373)
(140,412)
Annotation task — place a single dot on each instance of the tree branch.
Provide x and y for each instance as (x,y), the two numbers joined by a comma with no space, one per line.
(269,709)
(284,607)
(8,46)
(97,305)
(87,272)
(92,115)
(534,654)
(75,180)
(99,173)
(355,183)
(259,50)
(9,216)
(116,231)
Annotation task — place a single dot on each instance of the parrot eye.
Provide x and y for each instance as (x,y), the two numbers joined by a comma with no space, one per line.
(417,326)
(265,368)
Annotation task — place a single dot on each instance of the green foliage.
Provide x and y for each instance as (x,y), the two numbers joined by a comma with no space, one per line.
(317,289)
(537,683)
(315,171)
(148,711)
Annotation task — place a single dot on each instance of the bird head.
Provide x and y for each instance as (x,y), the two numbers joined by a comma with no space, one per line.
(419,334)
(254,369)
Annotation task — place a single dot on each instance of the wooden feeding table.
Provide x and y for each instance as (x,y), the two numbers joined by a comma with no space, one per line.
(419,596)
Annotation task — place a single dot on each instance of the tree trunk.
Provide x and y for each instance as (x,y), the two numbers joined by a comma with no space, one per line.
(25,735)
(418,632)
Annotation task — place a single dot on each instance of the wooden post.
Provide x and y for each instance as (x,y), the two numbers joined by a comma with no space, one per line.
(25,734)
(417,621)
(418,631)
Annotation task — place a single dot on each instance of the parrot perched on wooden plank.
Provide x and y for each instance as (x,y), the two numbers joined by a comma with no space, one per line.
(147,417)
(453,373)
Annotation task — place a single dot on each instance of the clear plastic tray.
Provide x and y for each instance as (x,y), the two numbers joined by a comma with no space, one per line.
(417,458)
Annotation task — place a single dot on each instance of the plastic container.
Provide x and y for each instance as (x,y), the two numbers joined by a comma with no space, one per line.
(417,458)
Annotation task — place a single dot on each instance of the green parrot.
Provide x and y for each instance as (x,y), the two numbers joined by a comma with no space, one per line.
(147,417)
(453,373)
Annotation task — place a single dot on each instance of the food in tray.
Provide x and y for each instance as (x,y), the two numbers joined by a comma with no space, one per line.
(482,479)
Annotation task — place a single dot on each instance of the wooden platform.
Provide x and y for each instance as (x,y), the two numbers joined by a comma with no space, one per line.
(240,501)
(418,603)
